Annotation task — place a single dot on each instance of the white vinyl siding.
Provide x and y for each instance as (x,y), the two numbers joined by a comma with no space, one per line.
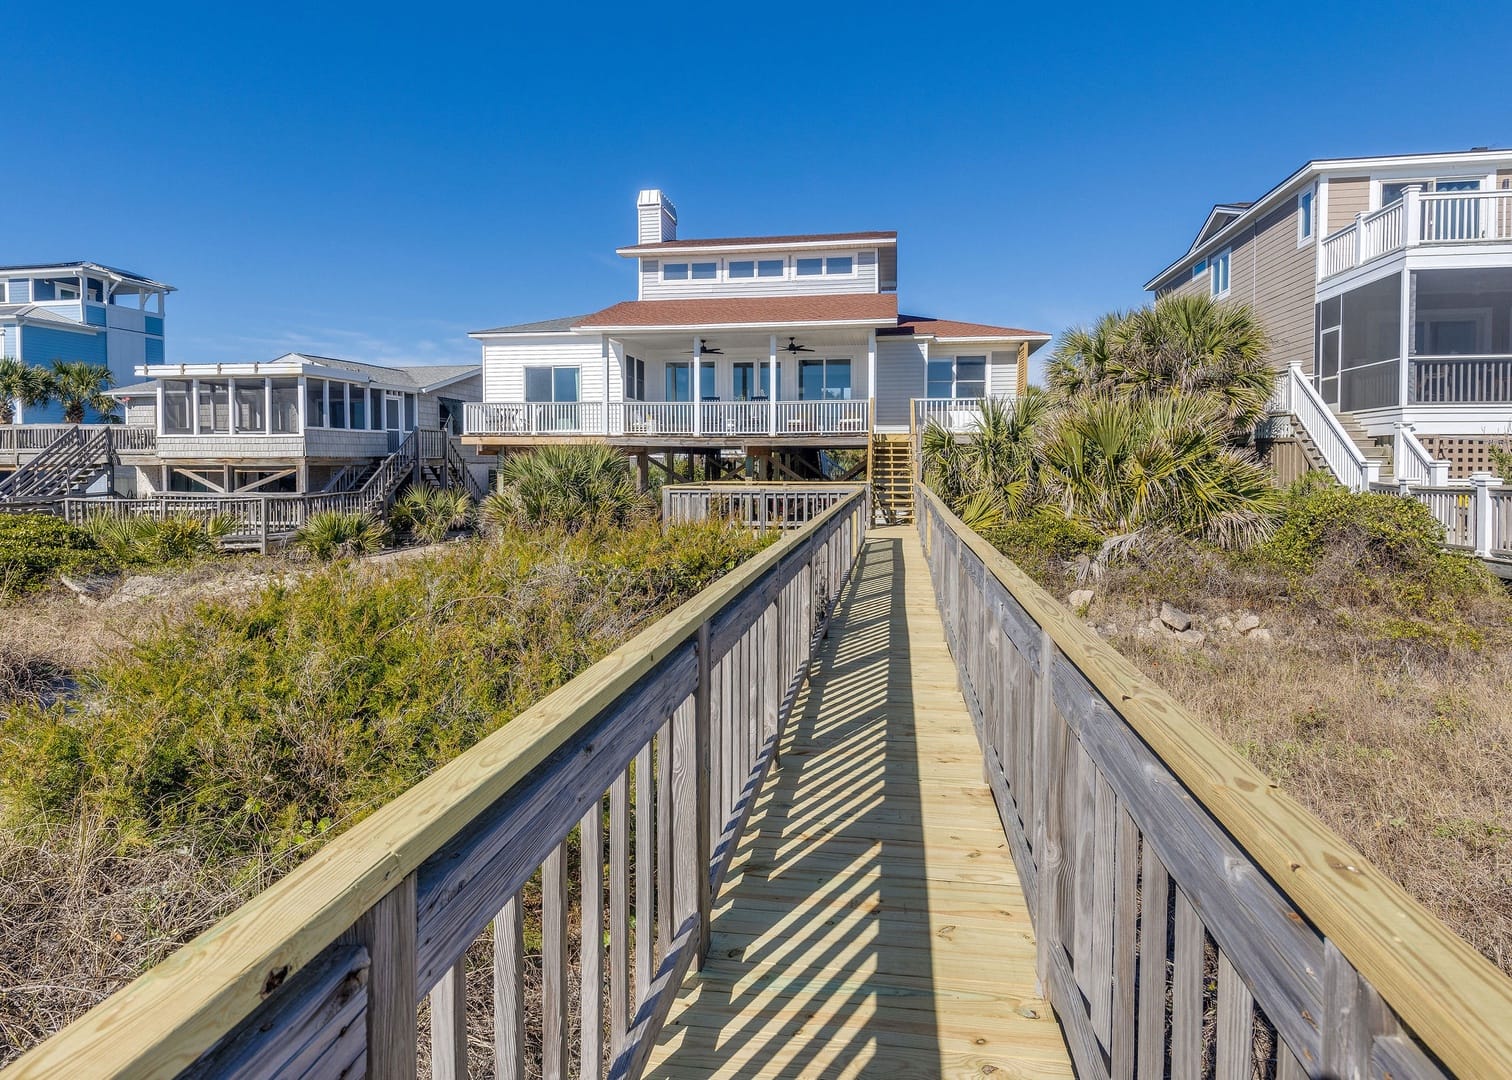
(1002,372)
(504,364)
(900,379)
(656,283)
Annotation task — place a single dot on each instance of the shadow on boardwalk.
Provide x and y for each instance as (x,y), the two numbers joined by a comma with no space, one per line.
(872,923)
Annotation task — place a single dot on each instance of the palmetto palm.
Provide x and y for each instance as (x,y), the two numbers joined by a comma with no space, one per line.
(565,486)
(78,385)
(1182,344)
(20,382)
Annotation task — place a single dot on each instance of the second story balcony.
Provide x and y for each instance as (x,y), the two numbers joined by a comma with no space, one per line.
(1440,220)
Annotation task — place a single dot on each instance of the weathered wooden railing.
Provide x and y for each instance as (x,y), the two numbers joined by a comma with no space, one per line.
(761,505)
(322,973)
(1191,919)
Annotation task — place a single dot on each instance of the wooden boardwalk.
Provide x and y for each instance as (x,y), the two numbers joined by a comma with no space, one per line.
(872,923)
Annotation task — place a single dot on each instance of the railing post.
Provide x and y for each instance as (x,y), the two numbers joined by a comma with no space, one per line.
(262,525)
(388,931)
(701,766)
(1412,215)
(1480,511)
(1359,237)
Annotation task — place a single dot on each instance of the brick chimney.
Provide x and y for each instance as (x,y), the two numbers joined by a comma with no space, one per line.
(656,218)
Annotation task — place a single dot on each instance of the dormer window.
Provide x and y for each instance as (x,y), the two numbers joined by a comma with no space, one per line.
(742,268)
(839,264)
(674,271)
(705,271)
(810,267)
(769,268)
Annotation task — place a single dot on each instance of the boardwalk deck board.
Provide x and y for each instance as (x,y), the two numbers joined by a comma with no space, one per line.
(872,918)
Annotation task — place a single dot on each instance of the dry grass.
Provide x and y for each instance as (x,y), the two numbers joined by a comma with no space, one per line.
(1405,751)
(79,920)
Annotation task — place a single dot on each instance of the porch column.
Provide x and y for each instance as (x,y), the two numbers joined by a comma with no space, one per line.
(693,391)
(871,379)
(772,386)
(1412,215)
(1404,349)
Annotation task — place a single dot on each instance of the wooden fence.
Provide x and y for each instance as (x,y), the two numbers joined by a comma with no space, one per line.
(762,505)
(322,973)
(1191,919)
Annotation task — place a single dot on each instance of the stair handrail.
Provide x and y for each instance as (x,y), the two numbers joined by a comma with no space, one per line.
(67,452)
(1295,394)
(1411,463)
(457,464)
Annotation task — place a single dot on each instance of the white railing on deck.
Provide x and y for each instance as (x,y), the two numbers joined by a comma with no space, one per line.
(821,418)
(664,419)
(534,418)
(1382,231)
(1296,395)
(1460,380)
(1465,217)
(1339,251)
(1477,518)
(953,414)
(1411,461)
(1444,217)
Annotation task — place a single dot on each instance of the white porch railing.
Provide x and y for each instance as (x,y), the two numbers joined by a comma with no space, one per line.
(1477,518)
(1441,217)
(1460,380)
(956,415)
(1411,461)
(663,419)
(1296,395)
(534,418)
(822,418)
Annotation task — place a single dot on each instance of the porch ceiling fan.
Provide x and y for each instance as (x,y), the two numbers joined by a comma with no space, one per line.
(705,349)
(792,348)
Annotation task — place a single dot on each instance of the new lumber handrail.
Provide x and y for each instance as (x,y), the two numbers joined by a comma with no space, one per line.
(325,967)
(1117,802)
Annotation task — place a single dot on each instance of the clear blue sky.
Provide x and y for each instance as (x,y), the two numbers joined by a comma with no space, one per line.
(375,186)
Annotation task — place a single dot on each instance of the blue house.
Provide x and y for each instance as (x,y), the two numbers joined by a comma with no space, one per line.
(80,311)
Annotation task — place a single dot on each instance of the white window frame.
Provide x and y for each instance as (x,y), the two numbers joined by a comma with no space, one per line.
(1307,215)
(687,271)
(730,265)
(717,264)
(1226,258)
(955,374)
(1199,268)
(782,269)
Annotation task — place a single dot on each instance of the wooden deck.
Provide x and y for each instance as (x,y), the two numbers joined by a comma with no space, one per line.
(872,923)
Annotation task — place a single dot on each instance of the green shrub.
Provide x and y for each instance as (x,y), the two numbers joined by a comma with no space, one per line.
(430,513)
(137,539)
(565,487)
(35,548)
(1042,544)
(265,727)
(340,534)
(1382,546)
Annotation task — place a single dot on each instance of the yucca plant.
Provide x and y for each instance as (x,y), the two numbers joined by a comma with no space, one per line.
(568,487)
(336,534)
(430,513)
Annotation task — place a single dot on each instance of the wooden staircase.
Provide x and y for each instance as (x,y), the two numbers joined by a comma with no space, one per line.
(890,470)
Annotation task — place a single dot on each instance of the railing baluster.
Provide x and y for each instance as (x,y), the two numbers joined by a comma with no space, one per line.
(387,931)
(645,909)
(619,913)
(664,919)
(554,1049)
(509,991)
(1154,946)
(1186,991)
(591,942)
(448,1024)
(1236,1024)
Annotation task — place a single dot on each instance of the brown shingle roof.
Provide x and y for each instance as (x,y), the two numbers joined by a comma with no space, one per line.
(874,235)
(879,308)
(948,328)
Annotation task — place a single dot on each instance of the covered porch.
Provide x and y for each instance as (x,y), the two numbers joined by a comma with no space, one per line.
(1428,343)
(715,387)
